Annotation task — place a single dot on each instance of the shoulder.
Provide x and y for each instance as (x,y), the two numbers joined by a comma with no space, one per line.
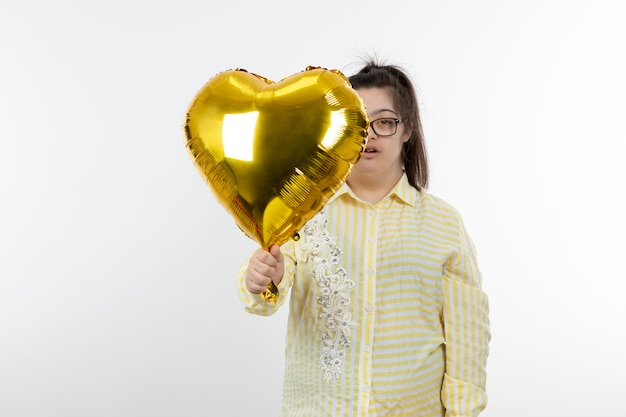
(436,207)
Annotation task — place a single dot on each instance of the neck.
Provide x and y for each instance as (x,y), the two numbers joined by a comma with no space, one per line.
(371,188)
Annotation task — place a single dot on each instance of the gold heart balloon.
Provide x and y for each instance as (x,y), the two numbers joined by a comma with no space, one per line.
(274,153)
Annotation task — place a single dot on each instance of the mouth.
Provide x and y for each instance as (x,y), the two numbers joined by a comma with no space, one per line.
(370,150)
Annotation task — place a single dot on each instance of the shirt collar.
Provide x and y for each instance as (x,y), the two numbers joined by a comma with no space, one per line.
(403,190)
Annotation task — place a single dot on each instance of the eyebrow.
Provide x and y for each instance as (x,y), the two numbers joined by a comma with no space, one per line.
(382,111)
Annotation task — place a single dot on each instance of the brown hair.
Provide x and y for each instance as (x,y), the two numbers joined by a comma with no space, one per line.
(394,78)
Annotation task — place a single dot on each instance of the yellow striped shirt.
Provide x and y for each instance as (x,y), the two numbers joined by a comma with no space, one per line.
(387,316)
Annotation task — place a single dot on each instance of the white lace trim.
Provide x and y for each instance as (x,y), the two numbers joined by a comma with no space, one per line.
(333,287)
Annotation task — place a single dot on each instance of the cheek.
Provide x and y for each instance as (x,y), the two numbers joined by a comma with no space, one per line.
(398,146)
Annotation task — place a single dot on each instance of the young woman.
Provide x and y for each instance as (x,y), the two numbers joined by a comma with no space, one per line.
(387,316)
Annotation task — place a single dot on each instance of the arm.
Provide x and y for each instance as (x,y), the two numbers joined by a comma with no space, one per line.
(255,274)
(466,326)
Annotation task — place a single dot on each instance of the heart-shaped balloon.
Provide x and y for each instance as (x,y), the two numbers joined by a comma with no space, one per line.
(273,153)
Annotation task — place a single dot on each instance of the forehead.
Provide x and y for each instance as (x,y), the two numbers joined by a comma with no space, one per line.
(377,101)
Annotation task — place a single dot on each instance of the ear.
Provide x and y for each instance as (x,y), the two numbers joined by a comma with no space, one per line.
(407,133)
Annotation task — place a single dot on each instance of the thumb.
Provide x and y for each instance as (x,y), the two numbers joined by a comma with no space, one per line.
(275,251)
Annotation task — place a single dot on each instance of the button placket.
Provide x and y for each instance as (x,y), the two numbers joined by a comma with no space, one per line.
(369,287)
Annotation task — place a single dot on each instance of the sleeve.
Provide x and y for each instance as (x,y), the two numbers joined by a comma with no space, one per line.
(467,333)
(254,303)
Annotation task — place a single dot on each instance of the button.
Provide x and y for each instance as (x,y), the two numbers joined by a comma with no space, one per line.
(370,272)
(368,308)
(367,348)
(371,240)
(364,388)
(373,213)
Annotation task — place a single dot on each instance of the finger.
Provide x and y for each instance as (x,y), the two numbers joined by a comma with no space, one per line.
(255,283)
(256,289)
(263,270)
(276,253)
(265,257)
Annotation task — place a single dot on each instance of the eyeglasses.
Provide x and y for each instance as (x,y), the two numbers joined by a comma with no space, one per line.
(387,126)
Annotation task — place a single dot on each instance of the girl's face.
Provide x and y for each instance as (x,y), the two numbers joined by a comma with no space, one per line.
(382,155)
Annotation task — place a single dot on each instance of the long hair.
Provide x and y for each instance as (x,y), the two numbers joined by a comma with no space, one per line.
(395,79)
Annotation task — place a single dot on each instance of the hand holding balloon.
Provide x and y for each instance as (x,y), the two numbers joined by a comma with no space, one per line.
(274,153)
(264,268)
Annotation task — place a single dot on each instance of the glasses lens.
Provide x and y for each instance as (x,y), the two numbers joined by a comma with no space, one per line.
(384,127)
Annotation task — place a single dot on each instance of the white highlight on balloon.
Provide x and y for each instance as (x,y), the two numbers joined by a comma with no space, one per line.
(238,135)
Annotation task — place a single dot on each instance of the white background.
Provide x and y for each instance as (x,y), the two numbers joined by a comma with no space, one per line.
(117,266)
